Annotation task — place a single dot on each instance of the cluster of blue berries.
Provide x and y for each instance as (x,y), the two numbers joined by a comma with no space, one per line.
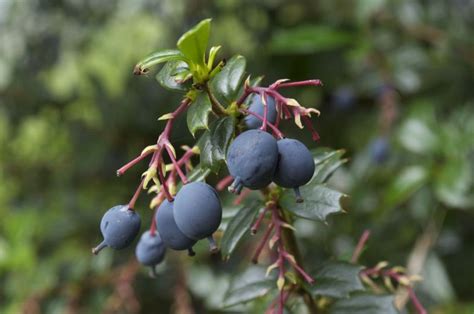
(255,158)
(194,214)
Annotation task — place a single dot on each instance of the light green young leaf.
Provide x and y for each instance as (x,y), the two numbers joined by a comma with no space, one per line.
(156,58)
(193,43)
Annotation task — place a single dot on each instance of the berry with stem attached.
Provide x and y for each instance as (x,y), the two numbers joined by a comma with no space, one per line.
(150,250)
(119,227)
(295,165)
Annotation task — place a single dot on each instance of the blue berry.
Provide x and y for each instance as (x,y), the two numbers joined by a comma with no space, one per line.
(150,250)
(256,105)
(169,231)
(251,159)
(197,210)
(379,150)
(119,227)
(295,165)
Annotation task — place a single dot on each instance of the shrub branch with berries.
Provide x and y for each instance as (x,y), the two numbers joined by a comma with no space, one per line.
(239,121)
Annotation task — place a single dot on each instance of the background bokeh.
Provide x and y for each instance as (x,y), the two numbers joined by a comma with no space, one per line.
(398,96)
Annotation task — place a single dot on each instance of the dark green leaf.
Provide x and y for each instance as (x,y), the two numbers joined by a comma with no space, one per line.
(206,158)
(248,286)
(325,166)
(309,39)
(337,280)
(198,113)
(237,227)
(166,76)
(407,183)
(226,84)
(193,43)
(160,57)
(221,133)
(364,303)
(319,202)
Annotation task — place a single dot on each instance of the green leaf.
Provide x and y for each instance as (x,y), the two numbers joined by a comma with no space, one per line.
(198,174)
(453,183)
(364,303)
(326,164)
(337,280)
(167,75)
(198,113)
(206,157)
(221,134)
(408,182)
(237,227)
(319,202)
(248,286)
(309,39)
(417,137)
(193,43)
(226,84)
(158,57)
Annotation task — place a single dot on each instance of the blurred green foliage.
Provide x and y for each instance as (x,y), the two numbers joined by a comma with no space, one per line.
(71,113)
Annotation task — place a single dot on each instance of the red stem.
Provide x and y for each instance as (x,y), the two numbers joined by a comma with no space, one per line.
(224,183)
(265,112)
(274,129)
(242,196)
(300,83)
(132,163)
(131,204)
(360,246)
(256,225)
(153,222)
(262,244)
(416,303)
(176,165)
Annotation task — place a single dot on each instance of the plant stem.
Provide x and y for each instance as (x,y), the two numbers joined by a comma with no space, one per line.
(292,248)
(216,106)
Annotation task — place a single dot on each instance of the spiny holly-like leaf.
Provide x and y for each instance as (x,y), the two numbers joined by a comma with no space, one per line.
(193,43)
(364,303)
(319,202)
(325,166)
(237,227)
(156,58)
(226,84)
(337,279)
(167,75)
(198,113)
(221,134)
(248,286)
